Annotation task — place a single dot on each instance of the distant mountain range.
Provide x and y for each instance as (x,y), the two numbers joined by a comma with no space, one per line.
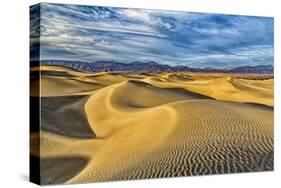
(137,66)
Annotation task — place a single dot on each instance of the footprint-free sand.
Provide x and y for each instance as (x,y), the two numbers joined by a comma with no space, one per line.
(120,126)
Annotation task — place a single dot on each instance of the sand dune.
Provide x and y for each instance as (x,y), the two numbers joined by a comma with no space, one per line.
(60,81)
(134,126)
(225,88)
(65,115)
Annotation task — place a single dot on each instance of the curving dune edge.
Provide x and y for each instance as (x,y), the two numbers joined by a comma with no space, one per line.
(120,126)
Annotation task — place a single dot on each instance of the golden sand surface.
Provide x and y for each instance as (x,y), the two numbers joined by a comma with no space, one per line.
(135,126)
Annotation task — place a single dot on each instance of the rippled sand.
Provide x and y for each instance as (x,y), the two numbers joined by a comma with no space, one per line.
(117,126)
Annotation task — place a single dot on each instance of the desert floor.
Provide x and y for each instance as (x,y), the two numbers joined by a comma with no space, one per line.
(119,126)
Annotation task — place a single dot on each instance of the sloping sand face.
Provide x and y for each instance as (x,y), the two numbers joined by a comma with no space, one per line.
(156,125)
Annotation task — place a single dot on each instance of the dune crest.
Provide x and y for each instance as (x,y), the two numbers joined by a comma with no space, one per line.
(135,126)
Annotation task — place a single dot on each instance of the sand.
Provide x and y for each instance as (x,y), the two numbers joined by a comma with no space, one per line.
(119,126)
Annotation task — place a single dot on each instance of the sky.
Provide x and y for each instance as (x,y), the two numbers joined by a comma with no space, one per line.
(199,40)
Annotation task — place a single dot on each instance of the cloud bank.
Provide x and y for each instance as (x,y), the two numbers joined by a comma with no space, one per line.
(86,33)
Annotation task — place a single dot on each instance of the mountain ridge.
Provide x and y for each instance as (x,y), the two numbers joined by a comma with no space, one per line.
(151,66)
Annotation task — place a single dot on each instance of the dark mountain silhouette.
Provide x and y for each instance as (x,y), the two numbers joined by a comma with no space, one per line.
(151,66)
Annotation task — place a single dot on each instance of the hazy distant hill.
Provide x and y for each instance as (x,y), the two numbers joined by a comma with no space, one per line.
(151,66)
(245,69)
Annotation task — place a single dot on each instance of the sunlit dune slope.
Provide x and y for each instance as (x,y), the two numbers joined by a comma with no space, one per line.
(153,125)
(190,136)
(57,81)
(222,88)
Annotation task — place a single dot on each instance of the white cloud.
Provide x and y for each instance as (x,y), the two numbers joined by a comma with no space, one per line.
(169,37)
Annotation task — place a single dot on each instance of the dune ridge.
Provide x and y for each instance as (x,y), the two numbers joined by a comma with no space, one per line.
(157,125)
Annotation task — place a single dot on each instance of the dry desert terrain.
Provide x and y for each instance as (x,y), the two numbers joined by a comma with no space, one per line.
(119,126)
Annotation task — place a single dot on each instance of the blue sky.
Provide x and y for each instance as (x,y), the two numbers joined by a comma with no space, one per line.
(87,33)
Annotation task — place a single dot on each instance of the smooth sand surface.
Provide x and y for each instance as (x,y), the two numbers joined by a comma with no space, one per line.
(65,115)
(135,126)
